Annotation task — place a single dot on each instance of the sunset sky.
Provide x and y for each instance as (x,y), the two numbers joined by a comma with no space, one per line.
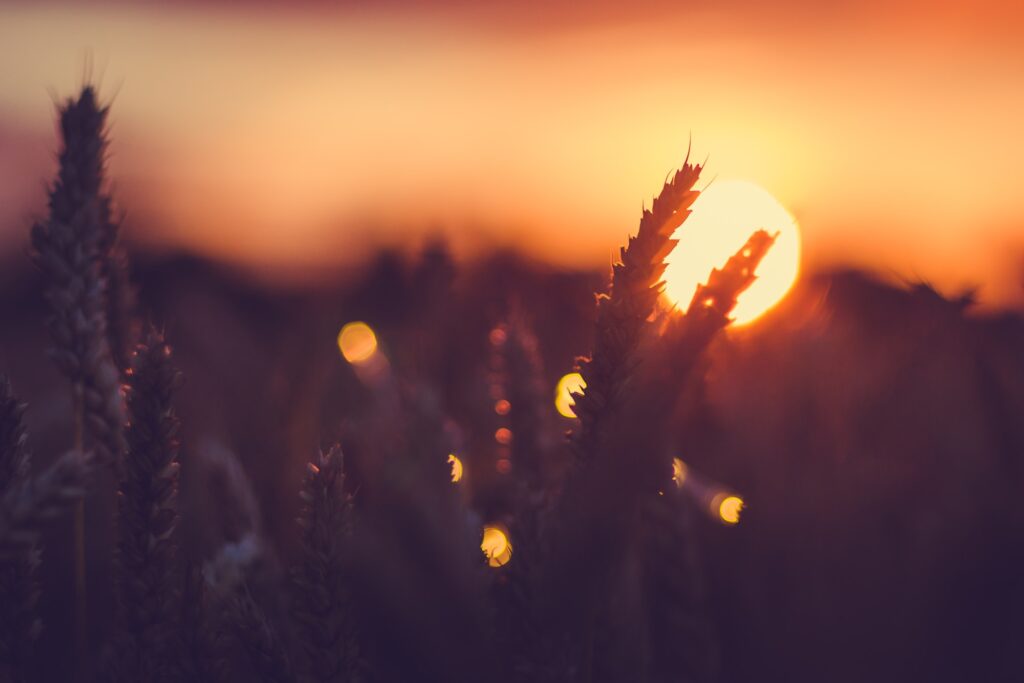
(293,136)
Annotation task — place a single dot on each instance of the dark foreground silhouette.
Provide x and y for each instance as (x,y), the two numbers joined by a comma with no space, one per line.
(874,431)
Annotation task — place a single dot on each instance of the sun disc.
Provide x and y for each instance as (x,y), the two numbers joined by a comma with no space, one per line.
(724,216)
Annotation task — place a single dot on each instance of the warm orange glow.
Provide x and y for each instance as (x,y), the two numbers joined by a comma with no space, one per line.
(503,436)
(502,407)
(229,173)
(679,472)
(727,507)
(456,464)
(724,216)
(357,342)
(569,384)
(496,545)
(503,466)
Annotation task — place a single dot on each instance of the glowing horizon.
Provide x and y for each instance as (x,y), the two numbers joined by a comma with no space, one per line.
(382,128)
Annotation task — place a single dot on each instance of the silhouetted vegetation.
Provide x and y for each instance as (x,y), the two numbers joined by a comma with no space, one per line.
(286,512)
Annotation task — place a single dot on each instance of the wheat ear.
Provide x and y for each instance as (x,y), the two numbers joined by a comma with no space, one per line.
(147,515)
(623,312)
(258,638)
(19,585)
(320,603)
(71,247)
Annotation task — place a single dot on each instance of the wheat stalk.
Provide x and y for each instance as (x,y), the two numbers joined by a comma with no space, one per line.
(80,181)
(624,416)
(528,408)
(681,639)
(14,459)
(320,604)
(147,515)
(230,575)
(258,638)
(26,503)
(523,409)
(623,312)
(72,247)
(199,658)
(19,588)
(413,545)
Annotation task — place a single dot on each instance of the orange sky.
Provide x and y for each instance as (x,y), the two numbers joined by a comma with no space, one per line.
(287,138)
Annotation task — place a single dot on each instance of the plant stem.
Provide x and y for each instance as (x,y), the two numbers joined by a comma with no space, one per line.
(80,624)
(588,647)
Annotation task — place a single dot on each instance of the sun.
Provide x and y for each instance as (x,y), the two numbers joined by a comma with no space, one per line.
(724,216)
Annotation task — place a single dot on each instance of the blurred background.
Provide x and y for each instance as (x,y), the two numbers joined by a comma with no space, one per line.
(286,168)
(291,137)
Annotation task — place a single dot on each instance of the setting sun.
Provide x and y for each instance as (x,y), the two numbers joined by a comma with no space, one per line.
(709,314)
(724,216)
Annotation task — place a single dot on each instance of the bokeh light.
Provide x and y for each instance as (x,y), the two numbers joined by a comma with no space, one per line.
(502,559)
(496,545)
(727,507)
(679,472)
(456,464)
(357,342)
(502,407)
(503,436)
(498,336)
(569,384)
(724,216)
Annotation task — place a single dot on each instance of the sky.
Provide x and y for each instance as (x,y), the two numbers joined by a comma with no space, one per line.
(292,137)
